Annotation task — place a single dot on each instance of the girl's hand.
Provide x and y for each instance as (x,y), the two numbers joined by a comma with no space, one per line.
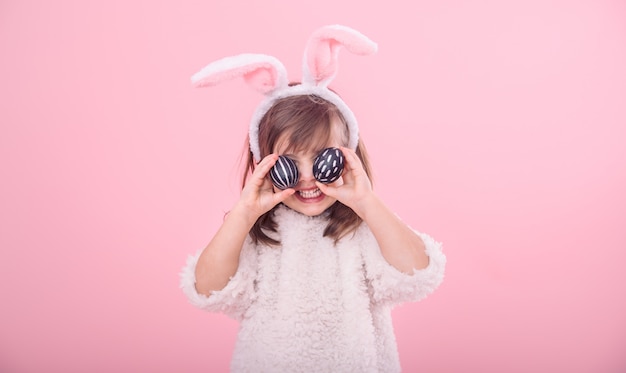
(258,196)
(356,189)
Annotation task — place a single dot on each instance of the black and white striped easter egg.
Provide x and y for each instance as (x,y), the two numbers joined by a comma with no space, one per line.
(328,166)
(284,174)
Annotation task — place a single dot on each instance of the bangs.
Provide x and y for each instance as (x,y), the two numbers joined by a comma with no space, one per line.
(301,124)
(311,138)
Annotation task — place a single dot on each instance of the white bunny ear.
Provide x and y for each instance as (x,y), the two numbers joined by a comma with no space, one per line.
(264,73)
(322,51)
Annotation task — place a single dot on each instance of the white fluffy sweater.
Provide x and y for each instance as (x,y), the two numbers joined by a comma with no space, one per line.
(311,306)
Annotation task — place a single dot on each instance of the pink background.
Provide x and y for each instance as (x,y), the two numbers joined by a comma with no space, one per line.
(498,127)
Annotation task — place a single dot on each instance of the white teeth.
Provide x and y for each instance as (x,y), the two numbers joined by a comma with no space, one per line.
(314,193)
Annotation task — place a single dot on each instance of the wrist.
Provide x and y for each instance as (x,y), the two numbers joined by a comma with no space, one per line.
(244,215)
(367,205)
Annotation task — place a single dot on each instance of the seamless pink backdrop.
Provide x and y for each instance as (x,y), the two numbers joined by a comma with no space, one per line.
(496,126)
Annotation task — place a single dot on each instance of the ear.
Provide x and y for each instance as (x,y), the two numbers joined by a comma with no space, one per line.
(322,52)
(263,73)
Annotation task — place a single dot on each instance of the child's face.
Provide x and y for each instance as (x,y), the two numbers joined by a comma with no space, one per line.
(308,199)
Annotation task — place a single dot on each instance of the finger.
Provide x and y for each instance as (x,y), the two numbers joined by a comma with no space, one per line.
(352,167)
(262,168)
(267,163)
(282,195)
(266,184)
(352,160)
(327,190)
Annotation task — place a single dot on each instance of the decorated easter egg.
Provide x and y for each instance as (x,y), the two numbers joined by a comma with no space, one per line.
(328,166)
(284,174)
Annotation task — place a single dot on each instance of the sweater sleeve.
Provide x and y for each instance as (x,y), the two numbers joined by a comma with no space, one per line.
(388,285)
(235,298)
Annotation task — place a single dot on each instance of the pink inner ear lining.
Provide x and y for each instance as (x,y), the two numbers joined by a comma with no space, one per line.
(263,80)
(324,45)
(217,78)
(261,74)
(323,62)
(354,41)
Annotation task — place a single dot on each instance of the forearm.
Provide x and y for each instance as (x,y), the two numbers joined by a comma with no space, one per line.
(220,259)
(399,244)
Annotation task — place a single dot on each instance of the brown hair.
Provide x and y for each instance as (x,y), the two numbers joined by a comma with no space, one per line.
(305,122)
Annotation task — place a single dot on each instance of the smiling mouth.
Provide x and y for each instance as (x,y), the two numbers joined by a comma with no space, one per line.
(311,193)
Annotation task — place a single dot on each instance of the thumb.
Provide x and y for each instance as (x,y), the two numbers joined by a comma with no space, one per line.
(329,191)
(283,195)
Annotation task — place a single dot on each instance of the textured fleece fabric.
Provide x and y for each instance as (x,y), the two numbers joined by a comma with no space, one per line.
(311,306)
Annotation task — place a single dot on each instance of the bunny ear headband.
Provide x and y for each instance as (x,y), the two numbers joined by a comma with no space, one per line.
(267,75)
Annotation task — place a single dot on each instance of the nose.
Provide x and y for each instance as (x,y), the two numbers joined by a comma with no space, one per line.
(305,168)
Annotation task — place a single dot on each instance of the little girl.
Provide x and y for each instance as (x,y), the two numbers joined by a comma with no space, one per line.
(312,271)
